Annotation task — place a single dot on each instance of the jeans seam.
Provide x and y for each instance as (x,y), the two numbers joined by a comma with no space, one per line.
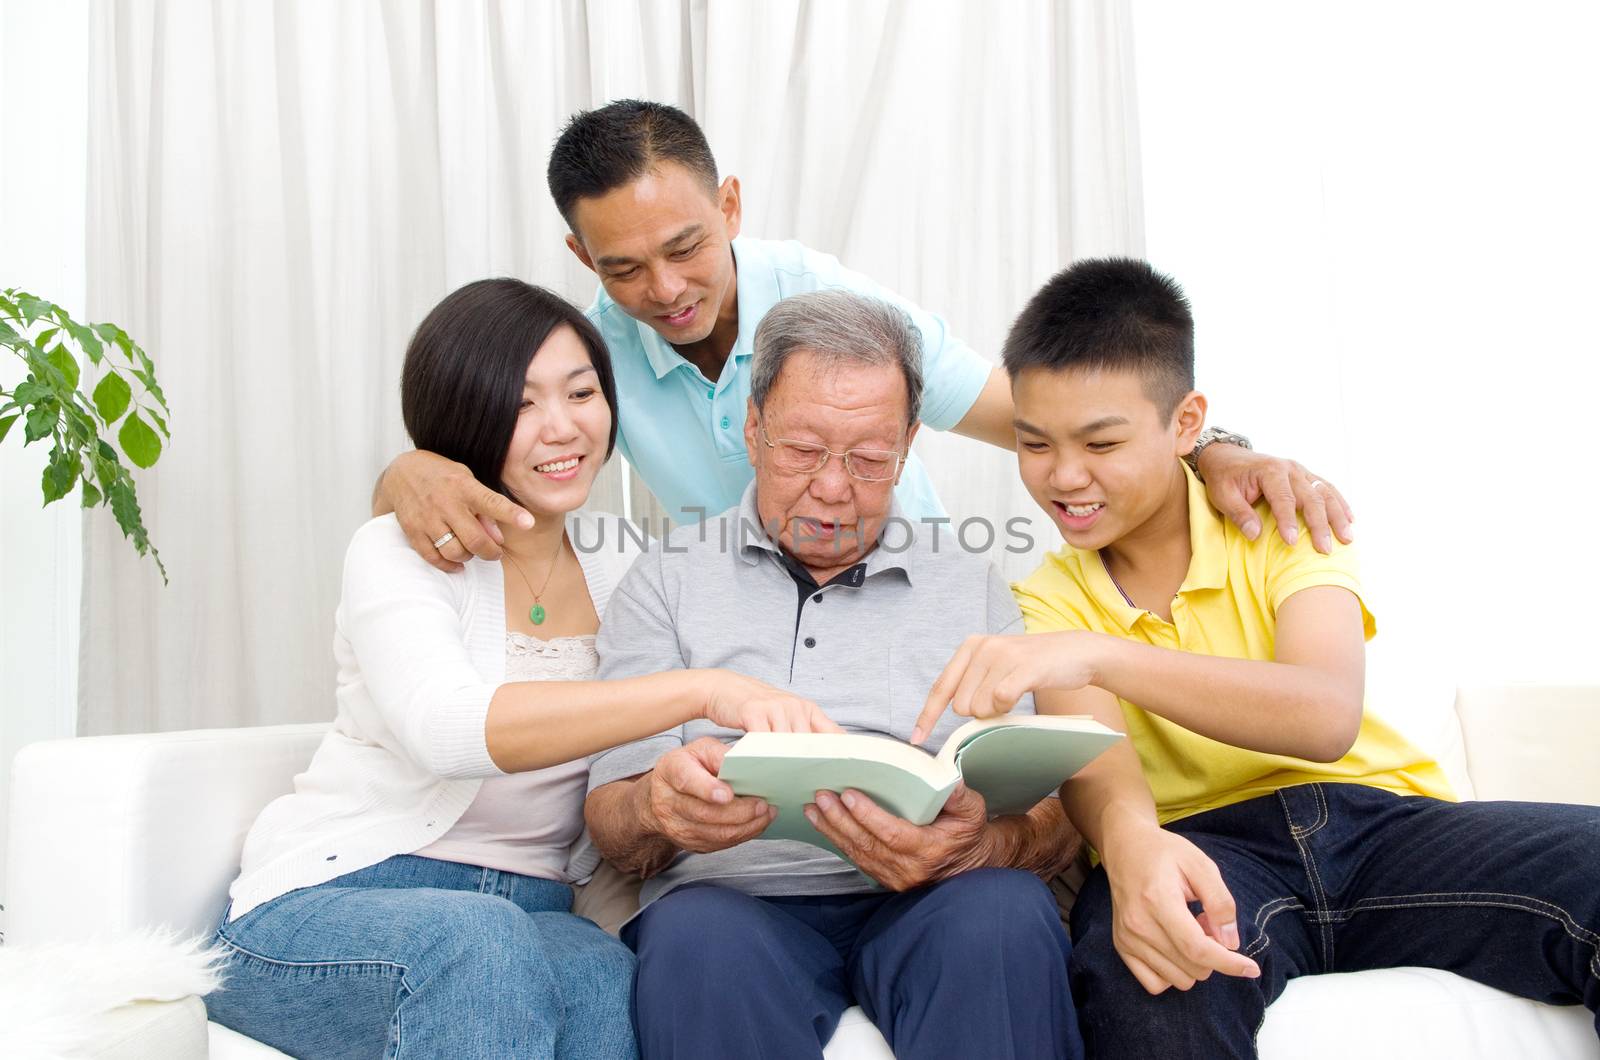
(399,1020)
(1322,815)
(1264,915)
(1488,899)
(358,962)
(1319,896)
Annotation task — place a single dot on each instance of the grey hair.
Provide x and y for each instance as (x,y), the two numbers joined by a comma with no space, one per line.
(839,326)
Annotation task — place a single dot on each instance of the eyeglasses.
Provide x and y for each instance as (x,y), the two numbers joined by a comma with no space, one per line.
(806,458)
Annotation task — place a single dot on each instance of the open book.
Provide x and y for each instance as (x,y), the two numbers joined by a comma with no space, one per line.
(1013,762)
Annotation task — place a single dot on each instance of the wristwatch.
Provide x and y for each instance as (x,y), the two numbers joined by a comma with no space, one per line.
(1211,436)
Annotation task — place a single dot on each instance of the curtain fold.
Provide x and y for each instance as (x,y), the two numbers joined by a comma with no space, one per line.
(278,193)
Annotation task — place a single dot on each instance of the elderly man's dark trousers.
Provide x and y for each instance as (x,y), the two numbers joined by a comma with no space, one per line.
(975,966)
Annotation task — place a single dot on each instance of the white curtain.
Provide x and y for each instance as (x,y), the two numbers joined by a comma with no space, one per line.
(278,193)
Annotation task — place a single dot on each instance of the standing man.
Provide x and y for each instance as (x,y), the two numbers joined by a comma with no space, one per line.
(681,294)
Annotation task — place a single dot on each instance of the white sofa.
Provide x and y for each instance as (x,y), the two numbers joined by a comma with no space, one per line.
(114,833)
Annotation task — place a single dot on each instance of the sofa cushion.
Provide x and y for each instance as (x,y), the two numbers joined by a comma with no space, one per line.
(1535,742)
(1417,1012)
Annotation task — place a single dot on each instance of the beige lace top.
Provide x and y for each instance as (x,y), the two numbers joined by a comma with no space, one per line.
(530,823)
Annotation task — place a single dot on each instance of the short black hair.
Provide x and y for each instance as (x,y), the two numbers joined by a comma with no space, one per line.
(461,386)
(603,149)
(1109,313)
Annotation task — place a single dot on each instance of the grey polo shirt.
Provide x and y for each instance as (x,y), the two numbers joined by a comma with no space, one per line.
(866,647)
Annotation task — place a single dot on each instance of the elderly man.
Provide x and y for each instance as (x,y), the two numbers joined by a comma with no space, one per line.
(946,936)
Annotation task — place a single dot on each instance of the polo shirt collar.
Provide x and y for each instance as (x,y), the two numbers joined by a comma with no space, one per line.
(752,544)
(1208,558)
(757,291)
(1208,539)
(756,288)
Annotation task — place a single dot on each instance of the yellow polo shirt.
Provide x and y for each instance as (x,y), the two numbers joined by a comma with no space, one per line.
(1227,607)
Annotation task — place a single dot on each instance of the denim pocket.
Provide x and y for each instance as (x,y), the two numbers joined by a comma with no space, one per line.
(308,1008)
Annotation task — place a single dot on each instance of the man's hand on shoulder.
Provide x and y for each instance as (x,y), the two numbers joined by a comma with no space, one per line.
(682,801)
(901,855)
(446,513)
(1236,478)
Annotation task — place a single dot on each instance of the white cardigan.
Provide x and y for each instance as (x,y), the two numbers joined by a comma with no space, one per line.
(420,655)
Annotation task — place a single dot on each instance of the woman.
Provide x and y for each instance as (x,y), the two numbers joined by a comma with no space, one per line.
(413,893)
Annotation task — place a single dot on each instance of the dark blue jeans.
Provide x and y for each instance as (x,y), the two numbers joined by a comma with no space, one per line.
(1340,878)
(975,966)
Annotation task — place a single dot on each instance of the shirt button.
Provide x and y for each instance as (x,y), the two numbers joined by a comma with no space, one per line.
(725,422)
(711,393)
(817,599)
(811,642)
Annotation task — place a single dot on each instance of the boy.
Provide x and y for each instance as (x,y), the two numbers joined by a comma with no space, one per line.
(1257,823)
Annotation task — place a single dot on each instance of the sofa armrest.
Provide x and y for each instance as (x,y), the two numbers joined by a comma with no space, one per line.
(1532,742)
(112,833)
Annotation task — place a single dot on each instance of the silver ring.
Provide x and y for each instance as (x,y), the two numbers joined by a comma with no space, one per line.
(1316,483)
(449,536)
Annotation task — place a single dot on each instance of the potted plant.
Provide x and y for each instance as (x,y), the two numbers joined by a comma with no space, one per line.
(49,403)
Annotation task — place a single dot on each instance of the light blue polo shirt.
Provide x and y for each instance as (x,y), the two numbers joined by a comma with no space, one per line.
(685,434)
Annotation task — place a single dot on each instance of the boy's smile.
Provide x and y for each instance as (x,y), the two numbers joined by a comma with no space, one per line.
(1079,517)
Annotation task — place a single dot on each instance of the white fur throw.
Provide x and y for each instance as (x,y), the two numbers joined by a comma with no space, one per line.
(50,993)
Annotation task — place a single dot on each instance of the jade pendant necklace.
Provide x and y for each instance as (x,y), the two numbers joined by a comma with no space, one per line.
(536,613)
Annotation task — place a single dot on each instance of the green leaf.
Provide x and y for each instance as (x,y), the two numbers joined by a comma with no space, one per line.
(80,424)
(125,506)
(30,392)
(106,453)
(148,378)
(41,371)
(139,441)
(65,363)
(109,332)
(111,398)
(33,308)
(91,496)
(84,337)
(42,339)
(60,474)
(6,422)
(160,423)
(90,344)
(108,471)
(42,420)
(8,334)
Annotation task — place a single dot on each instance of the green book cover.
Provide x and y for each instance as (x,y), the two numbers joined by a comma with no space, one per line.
(1013,762)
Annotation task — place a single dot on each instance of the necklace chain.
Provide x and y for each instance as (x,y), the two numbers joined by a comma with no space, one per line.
(536,613)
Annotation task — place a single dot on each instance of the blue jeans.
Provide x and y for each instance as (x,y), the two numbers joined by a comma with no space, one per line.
(421,958)
(975,966)
(1341,878)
